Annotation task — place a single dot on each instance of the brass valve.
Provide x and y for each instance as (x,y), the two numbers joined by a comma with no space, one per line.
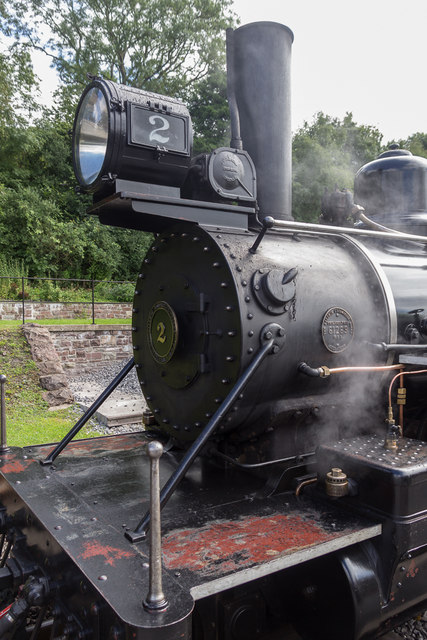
(392,436)
(401,395)
(336,483)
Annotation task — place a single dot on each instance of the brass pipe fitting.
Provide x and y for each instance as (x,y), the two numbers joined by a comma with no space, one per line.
(336,483)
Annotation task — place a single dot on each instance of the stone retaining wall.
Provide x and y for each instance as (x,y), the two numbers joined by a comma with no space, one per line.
(86,347)
(51,372)
(42,310)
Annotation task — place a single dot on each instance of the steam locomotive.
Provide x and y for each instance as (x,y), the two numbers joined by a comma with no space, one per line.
(284,366)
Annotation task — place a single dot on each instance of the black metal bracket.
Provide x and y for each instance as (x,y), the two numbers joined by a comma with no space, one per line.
(89,413)
(268,346)
(275,332)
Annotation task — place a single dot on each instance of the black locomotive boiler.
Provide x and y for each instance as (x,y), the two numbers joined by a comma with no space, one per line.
(283,365)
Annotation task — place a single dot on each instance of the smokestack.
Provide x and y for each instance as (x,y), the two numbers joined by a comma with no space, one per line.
(258,63)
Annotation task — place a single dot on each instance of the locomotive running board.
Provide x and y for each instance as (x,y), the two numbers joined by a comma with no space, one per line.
(218,531)
(228,553)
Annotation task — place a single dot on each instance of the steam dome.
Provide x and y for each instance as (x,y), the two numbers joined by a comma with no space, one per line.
(393,190)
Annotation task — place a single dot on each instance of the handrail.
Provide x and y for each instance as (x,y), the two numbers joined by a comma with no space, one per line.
(309,227)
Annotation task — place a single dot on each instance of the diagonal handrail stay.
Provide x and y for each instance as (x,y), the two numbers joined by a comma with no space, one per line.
(140,531)
(89,413)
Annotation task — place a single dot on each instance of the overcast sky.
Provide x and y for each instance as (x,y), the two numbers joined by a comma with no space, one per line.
(367,57)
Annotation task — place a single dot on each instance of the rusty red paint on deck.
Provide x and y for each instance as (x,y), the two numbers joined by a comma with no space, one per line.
(225,546)
(111,554)
(96,446)
(15,466)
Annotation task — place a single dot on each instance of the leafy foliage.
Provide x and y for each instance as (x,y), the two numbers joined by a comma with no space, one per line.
(327,153)
(43,222)
(33,228)
(18,88)
(10,268)
(209,108)
(20,369)
(166,46)
(416,144)
(160,45)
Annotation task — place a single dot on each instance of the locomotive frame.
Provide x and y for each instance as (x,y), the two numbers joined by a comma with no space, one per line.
(288,508)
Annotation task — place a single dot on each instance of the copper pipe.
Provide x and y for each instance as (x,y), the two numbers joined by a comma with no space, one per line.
(303,484)
(367,369)
(401,374)
(324,371)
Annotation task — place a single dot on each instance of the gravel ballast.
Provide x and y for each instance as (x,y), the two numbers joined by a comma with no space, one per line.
(86,388)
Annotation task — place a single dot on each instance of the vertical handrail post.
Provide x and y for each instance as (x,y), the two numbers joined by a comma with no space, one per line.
(3,435)
(155,600)
(93,301)
(23,300)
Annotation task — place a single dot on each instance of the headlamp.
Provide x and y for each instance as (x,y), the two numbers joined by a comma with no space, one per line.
(129,134)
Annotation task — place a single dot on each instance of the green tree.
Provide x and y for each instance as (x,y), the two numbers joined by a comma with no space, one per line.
(19,88)
(210,114)
(34,231)
(327,153)
(416,144)
(44,222)
(158,45)
(169,46)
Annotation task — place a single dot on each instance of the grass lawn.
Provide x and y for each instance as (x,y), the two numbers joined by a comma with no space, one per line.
(28,418)
(18,323)
(38,426)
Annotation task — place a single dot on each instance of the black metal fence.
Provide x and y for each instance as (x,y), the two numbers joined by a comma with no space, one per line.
(91,284)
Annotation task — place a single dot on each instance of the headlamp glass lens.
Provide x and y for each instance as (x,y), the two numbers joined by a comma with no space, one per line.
(91,135)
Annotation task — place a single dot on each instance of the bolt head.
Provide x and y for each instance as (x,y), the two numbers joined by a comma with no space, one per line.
(268,335)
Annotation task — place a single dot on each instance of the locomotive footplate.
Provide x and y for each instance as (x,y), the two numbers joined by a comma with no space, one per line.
(218,529)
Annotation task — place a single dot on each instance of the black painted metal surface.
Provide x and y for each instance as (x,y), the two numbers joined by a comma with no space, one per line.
(218,529)
(222,295)
(197,446)
(151,212)
(390,485)
(393,482)
(261,69)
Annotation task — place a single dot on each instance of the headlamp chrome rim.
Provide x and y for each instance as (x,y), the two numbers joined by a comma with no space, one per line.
(128,134)
(90,136)
(103,91)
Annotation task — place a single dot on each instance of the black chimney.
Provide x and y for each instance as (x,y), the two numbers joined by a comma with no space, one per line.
(258,62)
